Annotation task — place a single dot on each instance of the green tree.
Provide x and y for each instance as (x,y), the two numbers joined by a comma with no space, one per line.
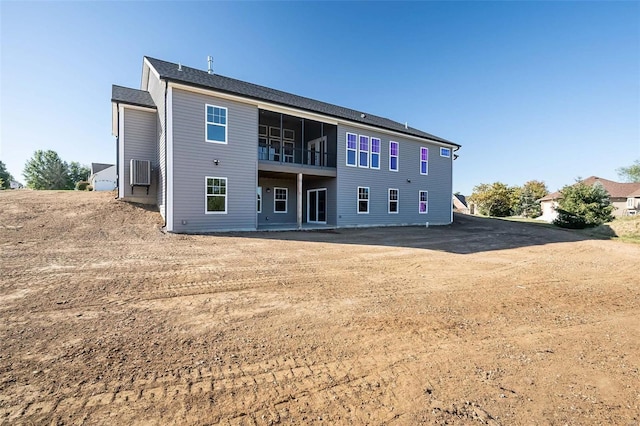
(631,173)
(46,170)
(5,176)
(493,199)
(78,172)
(531,192)
(583,206)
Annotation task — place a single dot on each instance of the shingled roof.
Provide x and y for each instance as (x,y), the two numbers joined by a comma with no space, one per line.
(130,96)
(615,189)
(195,77)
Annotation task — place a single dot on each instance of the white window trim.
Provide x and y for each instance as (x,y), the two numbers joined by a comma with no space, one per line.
(442,148)
(419,201)
(397,157)
(358,199)
(396,201)
(421,160)
(259,194)
(368,151)
(371,152)
(346,143)
(206,123)
(206,196)
(286,200)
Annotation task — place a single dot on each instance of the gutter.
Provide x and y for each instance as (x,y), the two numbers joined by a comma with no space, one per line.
(164,188)
(118,149)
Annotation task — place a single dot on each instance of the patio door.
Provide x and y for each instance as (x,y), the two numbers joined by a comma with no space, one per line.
(317,205)
(315,151)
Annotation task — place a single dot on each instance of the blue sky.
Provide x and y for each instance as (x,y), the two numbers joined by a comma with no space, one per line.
(531,90)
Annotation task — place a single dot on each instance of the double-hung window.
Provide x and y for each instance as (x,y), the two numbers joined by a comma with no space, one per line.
(215,195)
(352,149)
(423,203)
(363,199)
(424,161)
(445,152)
(216,124)
(375,153)
(280,196)
(393,200)
(363,151)
(393,156)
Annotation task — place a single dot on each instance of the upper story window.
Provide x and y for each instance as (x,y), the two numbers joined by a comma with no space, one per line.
(424,161)
(393,156)
(363,151)
(375,153)
(215,195)
(216,124)
(352,149)
(445,152)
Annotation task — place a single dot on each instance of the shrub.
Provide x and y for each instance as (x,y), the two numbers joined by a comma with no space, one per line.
(89,188)
(82,185)
(583,206)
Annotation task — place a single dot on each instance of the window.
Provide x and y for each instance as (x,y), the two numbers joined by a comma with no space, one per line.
(363,151)
(423,204)
(280,196)
(375,153)
(393,156)
(445,152)
(352,147)
(424,161)
(393,200)
(363,199)
(216,195)
(630,203)
(216,130)
(259,199)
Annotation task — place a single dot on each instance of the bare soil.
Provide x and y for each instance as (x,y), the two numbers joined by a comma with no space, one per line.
(105,319)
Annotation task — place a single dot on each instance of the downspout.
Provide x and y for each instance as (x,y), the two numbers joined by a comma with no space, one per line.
(118,149)
(164,187)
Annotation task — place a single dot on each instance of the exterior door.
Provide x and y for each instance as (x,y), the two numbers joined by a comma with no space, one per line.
(315,151)
(317,205)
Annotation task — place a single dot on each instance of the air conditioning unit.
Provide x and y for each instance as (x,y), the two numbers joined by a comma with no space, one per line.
(140,173)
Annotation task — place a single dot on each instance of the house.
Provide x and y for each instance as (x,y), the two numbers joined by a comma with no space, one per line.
(460,204)
(103,177)
(216,153)
(14,184)
(621,195)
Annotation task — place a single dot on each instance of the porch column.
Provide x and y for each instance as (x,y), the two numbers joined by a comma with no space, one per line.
(299,200)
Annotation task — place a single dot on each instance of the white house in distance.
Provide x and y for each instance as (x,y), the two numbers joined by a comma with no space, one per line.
(625,198)
(103,177)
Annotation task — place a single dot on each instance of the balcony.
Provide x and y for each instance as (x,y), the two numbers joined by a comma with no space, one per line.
(295,156)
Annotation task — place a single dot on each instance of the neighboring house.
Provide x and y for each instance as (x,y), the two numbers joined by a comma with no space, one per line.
(103,177)
(215,153)
(14,184)
(633,203)
(460,204)
(621,196)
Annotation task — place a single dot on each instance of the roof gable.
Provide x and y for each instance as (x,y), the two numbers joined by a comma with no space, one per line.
(195,77)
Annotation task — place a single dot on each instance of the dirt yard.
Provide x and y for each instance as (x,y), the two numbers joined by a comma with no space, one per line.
(105,319)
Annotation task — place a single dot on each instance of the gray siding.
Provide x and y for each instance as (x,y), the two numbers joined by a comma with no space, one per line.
(438,182)
(156,90)
(268,216)
(139,144)
(193,160)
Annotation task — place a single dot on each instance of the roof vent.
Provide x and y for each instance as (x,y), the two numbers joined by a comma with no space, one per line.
(406,124)
(210,64)
(179,66)
(363,115)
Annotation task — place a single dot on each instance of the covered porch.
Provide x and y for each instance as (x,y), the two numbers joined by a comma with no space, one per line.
(295,200)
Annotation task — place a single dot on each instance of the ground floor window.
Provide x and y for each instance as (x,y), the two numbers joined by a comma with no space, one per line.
(423,204)
(393,200)
(259,199)
(215,195)
(280,196)
(363,199)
